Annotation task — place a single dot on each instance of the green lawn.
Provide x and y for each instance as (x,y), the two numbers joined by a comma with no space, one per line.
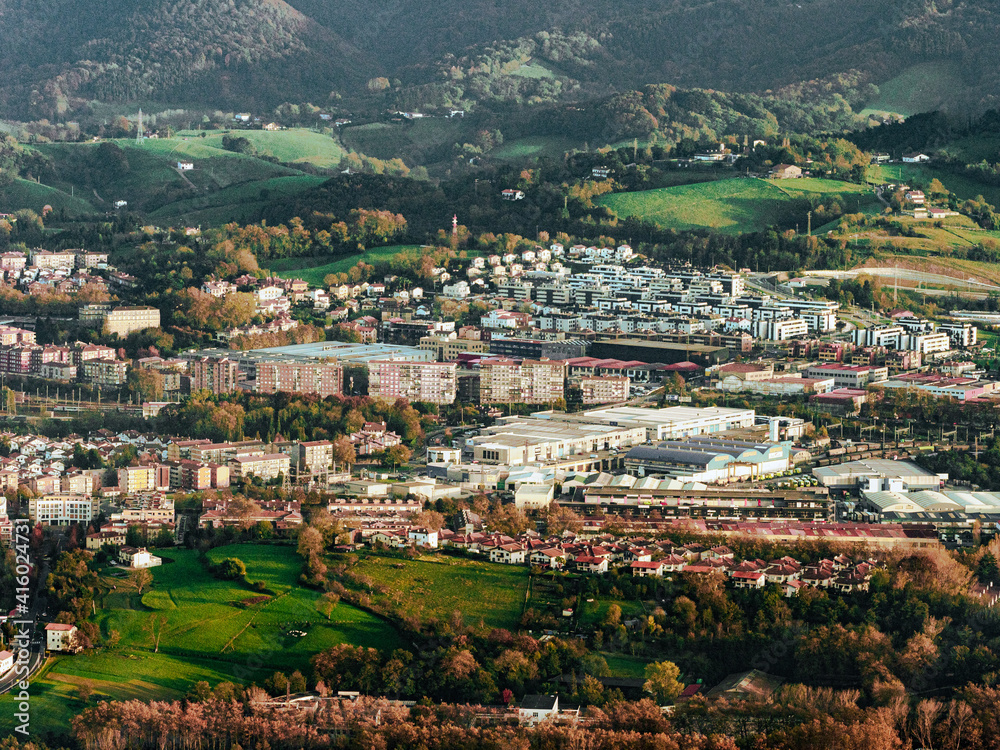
(314,270)
(222,186)
(919,88)
(734,205)
(485,593)
(120,675)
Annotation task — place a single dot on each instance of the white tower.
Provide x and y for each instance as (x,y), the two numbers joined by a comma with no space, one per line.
(138,129)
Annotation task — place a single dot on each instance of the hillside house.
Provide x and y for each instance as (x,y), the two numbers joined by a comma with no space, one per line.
(785,172)
(61,637)
(512,195)
(538,708)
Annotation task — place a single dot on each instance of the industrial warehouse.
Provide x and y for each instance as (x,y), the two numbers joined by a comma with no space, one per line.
(714,460)
(555,436)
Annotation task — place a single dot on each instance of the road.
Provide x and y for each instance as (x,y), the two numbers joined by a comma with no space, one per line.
(37,633)
(907,274)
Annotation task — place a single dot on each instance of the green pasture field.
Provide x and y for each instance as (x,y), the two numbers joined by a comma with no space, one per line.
(919,88)
(26,194)
(206,636)
(734,205)
(487,594)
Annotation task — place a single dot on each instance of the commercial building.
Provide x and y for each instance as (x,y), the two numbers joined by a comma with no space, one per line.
(666,352)
(536,349)
(431,382)
(322,378)
(670,500)
(711,460)
(877,473)
(522,440)
(670,423)
(215,374)
(847,376)
(507,381)
(122,321)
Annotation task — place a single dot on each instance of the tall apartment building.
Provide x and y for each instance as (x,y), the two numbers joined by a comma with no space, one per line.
(215,374)
(432,382)
(45,259)
(109,372)
(447,348)
(604,390)
(122,321)
(323,378)
(507,381)
(134,479)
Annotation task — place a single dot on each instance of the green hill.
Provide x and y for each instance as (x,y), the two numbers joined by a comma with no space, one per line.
(735,205)
(221,186)
(25,194)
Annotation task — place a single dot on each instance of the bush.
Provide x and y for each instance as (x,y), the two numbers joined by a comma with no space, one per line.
(230,569)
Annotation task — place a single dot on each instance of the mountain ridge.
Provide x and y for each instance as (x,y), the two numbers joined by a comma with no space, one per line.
(260,53)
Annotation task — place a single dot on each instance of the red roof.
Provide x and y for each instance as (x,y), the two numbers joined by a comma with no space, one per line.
(59,626)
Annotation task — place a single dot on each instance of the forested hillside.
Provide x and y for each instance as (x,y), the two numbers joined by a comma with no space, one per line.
(241,53)
(258,53)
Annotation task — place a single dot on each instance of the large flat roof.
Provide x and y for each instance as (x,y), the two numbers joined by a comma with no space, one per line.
(318,350)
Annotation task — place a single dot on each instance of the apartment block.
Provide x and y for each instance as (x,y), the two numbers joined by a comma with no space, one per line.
(324,378)
(110,372)
(122,321)
(507,381)
(135,479)
(59,510)
(215,374)
(267,467)
(606,390)
(432,382)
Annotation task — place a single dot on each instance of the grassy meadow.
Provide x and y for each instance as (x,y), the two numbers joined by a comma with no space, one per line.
(222,186)
(485,593)
(735,205)
(208,634)
(919,88)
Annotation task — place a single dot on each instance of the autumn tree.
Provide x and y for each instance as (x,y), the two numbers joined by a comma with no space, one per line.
(140,578)
(662,683)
